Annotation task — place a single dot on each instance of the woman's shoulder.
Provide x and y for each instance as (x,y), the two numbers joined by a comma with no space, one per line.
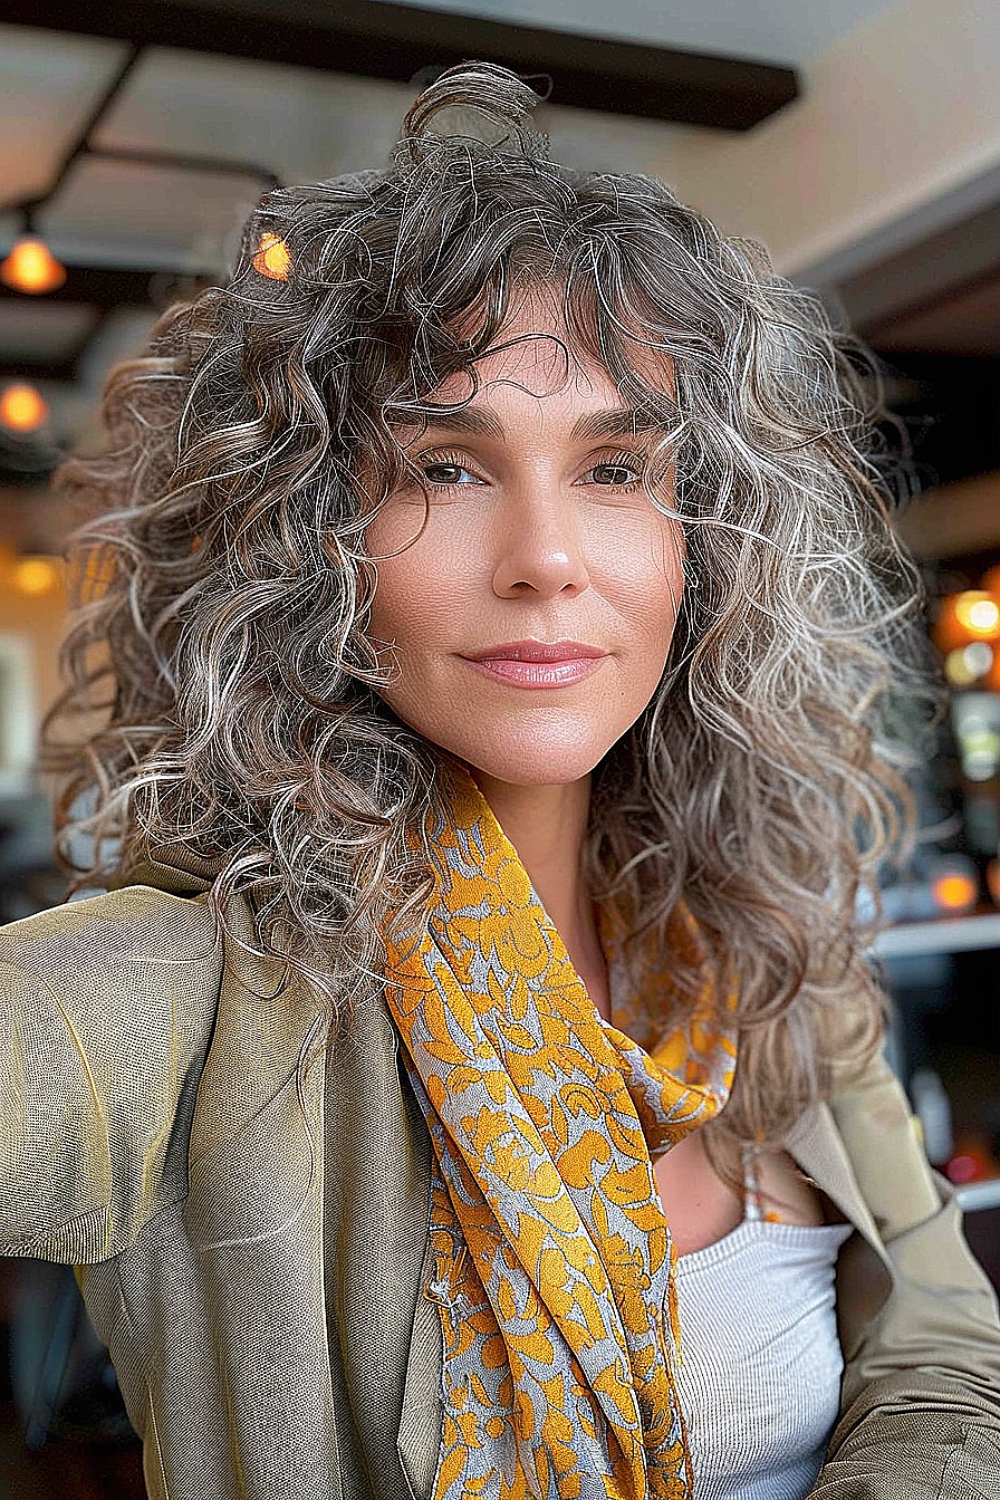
(107,1008)
(86,941)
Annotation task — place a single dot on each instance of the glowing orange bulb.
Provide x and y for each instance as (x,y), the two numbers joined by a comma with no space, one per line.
(993,879)
(955,892)
(978,612)
(971,616)
(273,258)
(22,409)
(31,267)
(36,575)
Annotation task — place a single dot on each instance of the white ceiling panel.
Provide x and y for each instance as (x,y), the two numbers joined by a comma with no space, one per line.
(111,214)
(122,335)
(301,124)
(49,83)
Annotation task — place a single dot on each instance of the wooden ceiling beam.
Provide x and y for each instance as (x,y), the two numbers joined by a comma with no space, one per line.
(376,40)
(61,371)
(111,287)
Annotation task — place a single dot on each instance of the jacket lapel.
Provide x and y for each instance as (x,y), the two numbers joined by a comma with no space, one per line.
(254,1217)
(293,1175)
(375,1224)
(864,1275)
(817,1147)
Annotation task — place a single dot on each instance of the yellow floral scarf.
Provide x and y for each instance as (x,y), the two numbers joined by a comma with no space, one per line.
(551,1258)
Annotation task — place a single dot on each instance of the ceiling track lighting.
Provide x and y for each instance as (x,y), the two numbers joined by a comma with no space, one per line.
(30,266)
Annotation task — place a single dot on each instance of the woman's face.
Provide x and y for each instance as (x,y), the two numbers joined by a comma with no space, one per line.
(532,614)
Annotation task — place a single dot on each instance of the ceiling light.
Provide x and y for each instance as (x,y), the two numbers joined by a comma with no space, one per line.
(31,267)
(273,258)
(23,409)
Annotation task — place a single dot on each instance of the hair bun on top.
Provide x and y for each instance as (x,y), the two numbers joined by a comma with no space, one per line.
(486,104)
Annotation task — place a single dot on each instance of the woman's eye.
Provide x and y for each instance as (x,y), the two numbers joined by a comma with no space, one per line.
(622,472)
(617,473)
(447,473)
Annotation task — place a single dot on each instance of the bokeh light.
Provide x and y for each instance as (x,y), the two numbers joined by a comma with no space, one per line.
(969,616)
(37,575)
(956,892)
(31,267)
(22,408)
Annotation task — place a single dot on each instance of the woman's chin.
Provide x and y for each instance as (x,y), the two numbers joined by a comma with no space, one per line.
(538,745)
(527,765)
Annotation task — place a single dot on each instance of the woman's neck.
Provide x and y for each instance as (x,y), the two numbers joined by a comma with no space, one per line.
(547,826)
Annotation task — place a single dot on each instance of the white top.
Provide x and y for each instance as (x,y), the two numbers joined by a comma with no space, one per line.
(760,1364)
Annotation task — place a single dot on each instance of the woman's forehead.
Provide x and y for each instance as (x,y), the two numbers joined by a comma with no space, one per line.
(541,361)
(536,347)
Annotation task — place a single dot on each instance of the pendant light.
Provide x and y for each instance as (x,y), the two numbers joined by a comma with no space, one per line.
(22,408)
(31,267)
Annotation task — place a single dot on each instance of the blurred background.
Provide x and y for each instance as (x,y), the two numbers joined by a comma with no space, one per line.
(858,140)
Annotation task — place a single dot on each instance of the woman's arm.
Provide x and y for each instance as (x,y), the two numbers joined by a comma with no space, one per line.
(921,1410)
(920,1413)
(106,1010)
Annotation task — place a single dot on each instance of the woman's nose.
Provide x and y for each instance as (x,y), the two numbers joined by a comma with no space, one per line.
(540,549)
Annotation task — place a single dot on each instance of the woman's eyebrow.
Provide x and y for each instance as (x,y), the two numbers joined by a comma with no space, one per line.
(615,421)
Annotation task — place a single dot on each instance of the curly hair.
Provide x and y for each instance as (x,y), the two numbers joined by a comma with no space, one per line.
(225,590)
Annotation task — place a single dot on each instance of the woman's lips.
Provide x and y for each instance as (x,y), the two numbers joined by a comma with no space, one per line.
(537,664)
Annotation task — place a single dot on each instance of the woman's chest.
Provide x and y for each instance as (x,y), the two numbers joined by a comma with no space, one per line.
(701,1207)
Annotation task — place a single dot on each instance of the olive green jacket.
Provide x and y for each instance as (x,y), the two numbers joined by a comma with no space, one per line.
(250,1236)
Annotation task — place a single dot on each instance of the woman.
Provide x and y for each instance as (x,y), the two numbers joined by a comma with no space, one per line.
(470,1084)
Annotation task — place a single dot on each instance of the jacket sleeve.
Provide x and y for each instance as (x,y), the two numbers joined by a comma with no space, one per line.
(106,1008)
(920,1409)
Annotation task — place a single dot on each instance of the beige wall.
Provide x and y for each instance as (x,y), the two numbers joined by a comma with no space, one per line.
(898,123)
